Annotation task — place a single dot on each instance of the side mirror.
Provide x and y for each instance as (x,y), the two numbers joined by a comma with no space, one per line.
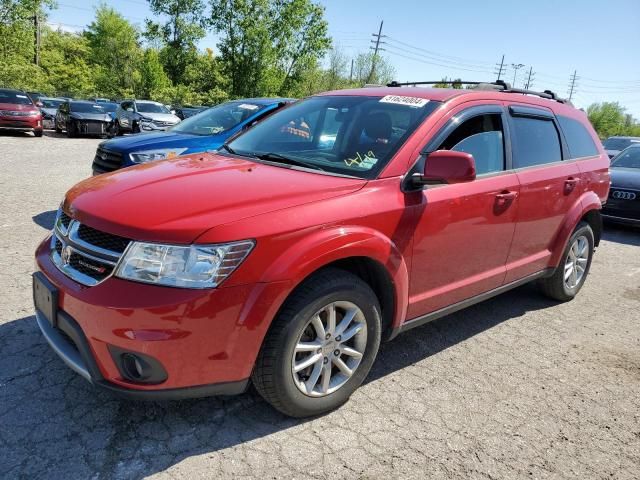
(448,166)
(39,104)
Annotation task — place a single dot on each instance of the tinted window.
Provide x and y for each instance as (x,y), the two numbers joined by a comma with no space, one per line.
(482,137)
(87,108)
(536,142)
(218,119)
(579,140)
(51,102)
(352,135)
(617,143)
(151,108)
(7,96)
(630,158)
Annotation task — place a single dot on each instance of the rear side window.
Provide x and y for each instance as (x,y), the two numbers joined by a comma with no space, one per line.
(578,138)
(536,142)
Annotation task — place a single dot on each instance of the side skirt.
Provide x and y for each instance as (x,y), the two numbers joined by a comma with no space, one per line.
(430,317)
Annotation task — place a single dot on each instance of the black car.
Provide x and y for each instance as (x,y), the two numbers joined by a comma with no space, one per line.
(623,204)
(614,145)
(186,112)
(80,117)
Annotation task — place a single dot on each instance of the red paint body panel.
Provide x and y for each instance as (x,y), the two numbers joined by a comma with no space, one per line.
(439,246)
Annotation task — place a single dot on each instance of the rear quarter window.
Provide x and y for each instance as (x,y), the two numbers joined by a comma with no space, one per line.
(578,138)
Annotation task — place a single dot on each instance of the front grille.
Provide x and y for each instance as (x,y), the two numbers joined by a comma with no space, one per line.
(102,240)
(106,160)
(85,254)
(91,127)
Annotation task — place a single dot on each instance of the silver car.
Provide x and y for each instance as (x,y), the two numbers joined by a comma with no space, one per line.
(143,116)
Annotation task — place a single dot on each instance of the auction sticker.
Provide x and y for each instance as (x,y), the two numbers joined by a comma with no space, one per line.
(248,106)
(408,101)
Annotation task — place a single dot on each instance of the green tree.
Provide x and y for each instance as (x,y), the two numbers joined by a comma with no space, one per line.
(115,52)
(383,72)
(65,62)
(179,35)
(267,46)
(153,79)
(446,83)
(17,30)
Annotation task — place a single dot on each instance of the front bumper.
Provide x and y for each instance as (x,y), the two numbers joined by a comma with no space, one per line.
(21,124)
(155,127)
(206,340)
(621,219)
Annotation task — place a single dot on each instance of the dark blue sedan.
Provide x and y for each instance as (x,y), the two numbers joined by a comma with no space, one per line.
(208,130)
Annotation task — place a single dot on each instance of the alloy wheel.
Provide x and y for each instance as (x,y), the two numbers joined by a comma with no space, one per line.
(329,349)
(576,263)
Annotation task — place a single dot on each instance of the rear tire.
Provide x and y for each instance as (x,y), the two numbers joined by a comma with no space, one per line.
(572,271)
(293,336)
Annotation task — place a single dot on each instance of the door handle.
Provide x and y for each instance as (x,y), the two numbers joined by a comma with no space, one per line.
(569,184)
(503,199)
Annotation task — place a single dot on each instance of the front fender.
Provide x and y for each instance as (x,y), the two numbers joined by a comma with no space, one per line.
(328,245)
(589,201)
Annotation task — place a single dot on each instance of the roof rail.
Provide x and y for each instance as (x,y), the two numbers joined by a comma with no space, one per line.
(499,85)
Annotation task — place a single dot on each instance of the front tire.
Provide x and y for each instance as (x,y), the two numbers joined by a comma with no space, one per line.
(321,345)
(71,130)
(572,271)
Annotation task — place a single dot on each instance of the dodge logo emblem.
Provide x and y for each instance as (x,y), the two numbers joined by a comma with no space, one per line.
(65,255)
(624,195)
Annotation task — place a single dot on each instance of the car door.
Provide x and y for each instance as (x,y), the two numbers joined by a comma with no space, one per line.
(463,236)
(550,185)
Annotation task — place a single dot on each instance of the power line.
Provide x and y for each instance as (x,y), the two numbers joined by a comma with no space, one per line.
(438,56)
(393,51)
(573,84)
(378,37)
(500,68)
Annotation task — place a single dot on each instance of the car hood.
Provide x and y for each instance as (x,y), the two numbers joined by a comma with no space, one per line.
(625,178)
(178,200)
(91,116)
(152,141)
(17,107)
(49,111)
(161,117)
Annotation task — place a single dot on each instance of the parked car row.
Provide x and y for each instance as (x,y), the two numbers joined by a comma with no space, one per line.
(286,256)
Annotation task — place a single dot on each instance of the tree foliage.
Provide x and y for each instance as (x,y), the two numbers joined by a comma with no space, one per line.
(609,118)
(267,46)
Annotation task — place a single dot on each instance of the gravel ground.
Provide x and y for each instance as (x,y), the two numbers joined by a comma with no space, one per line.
(516,387)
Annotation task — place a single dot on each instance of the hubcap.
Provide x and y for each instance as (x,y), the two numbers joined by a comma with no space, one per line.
(329,349)
(576,263)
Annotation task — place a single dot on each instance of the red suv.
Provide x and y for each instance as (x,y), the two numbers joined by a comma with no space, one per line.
(342,220)
(19,113)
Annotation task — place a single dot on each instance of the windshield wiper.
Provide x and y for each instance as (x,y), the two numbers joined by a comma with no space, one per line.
(228,149)
(278,158)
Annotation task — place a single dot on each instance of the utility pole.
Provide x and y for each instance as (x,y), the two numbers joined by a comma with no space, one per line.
(351,74)
(500,67)
(378,37)
(528,85)
(36,38)
(516,67)
(573,85)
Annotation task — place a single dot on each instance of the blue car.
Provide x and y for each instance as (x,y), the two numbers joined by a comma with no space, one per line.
(208,130)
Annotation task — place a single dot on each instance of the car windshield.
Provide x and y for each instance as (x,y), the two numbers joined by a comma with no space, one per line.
(87,108)
(51,102)
(349,135)
(15,97)
(619,143)
(630,158)
(109,107)
(144,107)
(218,119)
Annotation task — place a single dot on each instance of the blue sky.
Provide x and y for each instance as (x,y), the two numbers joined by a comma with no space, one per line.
(430,40)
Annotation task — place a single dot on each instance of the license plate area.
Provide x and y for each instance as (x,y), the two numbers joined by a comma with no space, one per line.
(45,297)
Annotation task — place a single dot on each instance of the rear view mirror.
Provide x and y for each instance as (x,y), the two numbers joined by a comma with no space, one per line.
(447,166)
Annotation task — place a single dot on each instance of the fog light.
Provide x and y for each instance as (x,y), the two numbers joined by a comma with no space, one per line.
(138,367)
(134,367)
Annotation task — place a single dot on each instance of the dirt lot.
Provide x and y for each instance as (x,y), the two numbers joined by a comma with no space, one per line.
(517,387)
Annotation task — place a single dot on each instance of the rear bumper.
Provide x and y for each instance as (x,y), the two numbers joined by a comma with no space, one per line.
(622,220)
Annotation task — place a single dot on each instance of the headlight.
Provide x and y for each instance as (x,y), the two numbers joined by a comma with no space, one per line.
(151,155)
(193,266)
